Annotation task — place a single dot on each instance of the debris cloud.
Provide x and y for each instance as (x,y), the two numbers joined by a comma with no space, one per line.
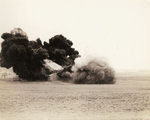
(95,71)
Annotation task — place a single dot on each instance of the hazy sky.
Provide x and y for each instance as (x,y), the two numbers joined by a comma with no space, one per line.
(118,30)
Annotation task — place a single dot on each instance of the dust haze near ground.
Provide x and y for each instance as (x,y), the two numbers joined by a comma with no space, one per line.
(127,99)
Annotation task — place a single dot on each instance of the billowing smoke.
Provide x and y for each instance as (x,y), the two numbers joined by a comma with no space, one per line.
(95,71)
(24,56)
(27,57)
(60,50)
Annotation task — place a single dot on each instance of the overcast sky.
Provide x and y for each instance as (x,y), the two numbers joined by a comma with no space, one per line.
(118,30)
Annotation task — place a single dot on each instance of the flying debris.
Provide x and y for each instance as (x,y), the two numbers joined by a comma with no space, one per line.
(52,65)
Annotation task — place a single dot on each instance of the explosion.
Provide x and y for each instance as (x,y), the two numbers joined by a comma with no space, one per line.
(95,72)
(27,57)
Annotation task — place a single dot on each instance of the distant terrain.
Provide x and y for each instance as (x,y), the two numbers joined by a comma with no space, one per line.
(127,99)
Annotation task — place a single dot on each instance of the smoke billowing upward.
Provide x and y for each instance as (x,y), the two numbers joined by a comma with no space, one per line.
(27,57)
(24,56)
(60,50)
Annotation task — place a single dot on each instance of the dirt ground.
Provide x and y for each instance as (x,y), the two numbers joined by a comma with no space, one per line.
(128,99)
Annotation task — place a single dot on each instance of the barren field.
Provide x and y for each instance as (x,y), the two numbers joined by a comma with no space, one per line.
(128,99)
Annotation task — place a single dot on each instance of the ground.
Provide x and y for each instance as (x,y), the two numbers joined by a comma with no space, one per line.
(128,99)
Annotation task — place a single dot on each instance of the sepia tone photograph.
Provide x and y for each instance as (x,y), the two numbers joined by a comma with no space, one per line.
(74,60)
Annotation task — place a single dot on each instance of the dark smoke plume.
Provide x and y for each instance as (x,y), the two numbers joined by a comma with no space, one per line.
(95,72)
(26,57)
(60,50)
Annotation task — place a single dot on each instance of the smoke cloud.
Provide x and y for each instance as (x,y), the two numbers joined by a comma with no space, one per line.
(95,71)
(24,56)
(60,50)
(27,58)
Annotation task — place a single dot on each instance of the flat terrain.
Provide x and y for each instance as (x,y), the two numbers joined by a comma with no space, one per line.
(128,99)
